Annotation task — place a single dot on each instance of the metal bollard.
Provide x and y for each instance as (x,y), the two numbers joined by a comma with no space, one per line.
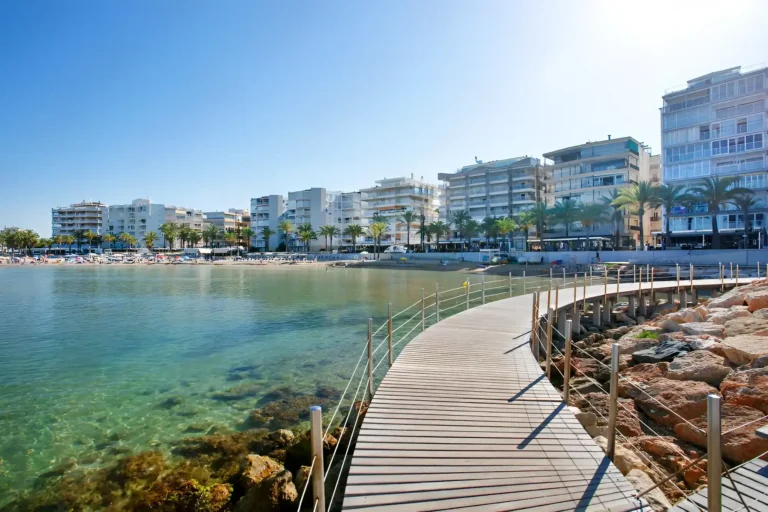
(533,323)
(549,294)
(523,282)
(618,282)
(370,357)
(389,332)
(510,284)
(483,288)
(437,303)
(584,291)
(549,341)
(467,283)
(648,271)
(563,275)
(557,299)
(678,277)
(422,310)
(714,457)
(730,274)
(737,275)
(691,276)
(567,367)
(634,274)
(758,270)
(605,286)
(550,273)
(318,486)
(613,403)
(653,295)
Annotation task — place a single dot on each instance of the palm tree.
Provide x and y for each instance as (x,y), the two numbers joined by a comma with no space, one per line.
(439,228)
(564,212)
(671,196)
(525,220)
(69,240)
(286,227)
(471,228)
(459,219)
(716,193)
(194,237)
(306,236)
(79,234)
(327,231)
(506,226)
(638,197)
(408,217)
(353,231)
(45,244)
(10,238)
(210,233)
(540,214)
(128,239)
(306,228)
(334,232)
(169,231)
(266,233)
(589,215)
(247,234)
(376,229)
(425,233)
(90,235)
(230,238)
(150,237)
(616,214)
(28,239)
(745,202)
(110,239)
(488,227)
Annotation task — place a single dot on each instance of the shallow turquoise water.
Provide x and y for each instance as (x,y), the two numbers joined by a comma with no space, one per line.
(91,356)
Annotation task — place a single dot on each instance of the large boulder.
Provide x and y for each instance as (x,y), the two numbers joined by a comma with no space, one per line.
(630,345)
(666,401)
(744,349)
(640,375)
(757,299)
(256,468)
(749,388)
(745,325)
(723,315)
(740,445)
(624,459)
(698,328)
(642,482)
(668,325)
(275,493)
(734,297)
(579,366)
(664,351)
(598,403)
(685,316)
(700,365)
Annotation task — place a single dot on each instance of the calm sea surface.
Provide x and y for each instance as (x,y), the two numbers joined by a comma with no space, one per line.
(97,362)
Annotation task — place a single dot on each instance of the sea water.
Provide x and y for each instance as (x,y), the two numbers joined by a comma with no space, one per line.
(97,362)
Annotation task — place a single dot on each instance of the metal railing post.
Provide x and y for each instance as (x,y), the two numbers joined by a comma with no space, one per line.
(318,486)
(567,367)
(737,275)
(691,276)
(482,284)
(758,270)
(557,299)
(618,282)
(510,284)
(422,310)
(524,282)
(730,274)
(678,277)
(648,271)
(613,403)
(466,283)
(722,277)
(714,457)
(370,357)
(634,274)
(549,341)
(437,302)
(605,286)
(550,273)
(584,296)
(549,294)
(533,324)
(389,332)
(653,295)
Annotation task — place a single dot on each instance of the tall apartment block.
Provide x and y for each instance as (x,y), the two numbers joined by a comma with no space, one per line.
(310,206)
(233,220)
(392,197)
(347,209)
(142,215)
(590,173)
(500,188)
(266,212)
(84,216)
(714,127)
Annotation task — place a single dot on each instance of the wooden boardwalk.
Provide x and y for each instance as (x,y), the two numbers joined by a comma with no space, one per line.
(751,481)
(465,419)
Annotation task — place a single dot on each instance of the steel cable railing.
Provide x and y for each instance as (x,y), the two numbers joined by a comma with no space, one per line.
(306,482)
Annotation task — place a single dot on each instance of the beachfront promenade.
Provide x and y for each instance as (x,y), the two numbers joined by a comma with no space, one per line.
(465,418)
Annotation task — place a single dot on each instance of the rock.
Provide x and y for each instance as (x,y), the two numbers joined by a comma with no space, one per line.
(668,325)
(587,419)
(697,328)
(738,446)
(757,300)
(699,365)
(640,374)
(641,481)
(685,316)
(748,325)
(585,385)
(745,348)
(702,311)
(761,313)
(734,297)
(703,342)
(191,495)
(256,468)
(579,366)
(272,494)
(722,316)
(302,475)
(285,412)
(282,437)
(664,351)
(760,362)
(239,392)
(686,399)
(749,388)
(632,345)
(172,402)
(626,420)
(624,459)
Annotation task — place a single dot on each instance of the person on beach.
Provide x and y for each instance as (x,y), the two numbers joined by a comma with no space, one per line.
(597,255)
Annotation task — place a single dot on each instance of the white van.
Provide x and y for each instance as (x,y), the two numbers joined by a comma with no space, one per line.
(398,249)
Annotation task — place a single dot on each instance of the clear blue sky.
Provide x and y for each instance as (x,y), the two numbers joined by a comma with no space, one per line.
(207,104)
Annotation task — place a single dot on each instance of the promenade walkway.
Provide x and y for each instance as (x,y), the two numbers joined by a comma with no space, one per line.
(465,419)
(751,482)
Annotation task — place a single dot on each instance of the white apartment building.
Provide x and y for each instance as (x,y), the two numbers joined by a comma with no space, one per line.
(233,220)
(266,212)
(589,173)
(83,216)
(347,209)
(500,188)
(715,126)
(310,206)
(392,197)
(142,216)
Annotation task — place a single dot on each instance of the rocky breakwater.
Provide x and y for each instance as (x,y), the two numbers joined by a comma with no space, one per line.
(668,366)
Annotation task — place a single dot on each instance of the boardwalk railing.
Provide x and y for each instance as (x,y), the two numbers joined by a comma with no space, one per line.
(401,327)
(543,343)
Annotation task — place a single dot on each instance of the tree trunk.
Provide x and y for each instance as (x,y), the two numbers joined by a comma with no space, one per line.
(640,214)
(715,233)
(667,235)
(407,237)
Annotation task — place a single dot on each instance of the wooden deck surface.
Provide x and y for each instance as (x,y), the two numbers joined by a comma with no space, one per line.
(465,419)
(751,480)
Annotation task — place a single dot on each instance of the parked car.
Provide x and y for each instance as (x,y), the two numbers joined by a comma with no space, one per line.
(397,249)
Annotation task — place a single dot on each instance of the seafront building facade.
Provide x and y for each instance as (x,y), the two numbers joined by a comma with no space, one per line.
(591,173)
(310,206)
(83,216)
(347,209)
(715,126)
(266,212)
(500,188)
(390,198)
(142,216)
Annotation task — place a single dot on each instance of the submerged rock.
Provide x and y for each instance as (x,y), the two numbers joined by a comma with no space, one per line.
(239,392)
